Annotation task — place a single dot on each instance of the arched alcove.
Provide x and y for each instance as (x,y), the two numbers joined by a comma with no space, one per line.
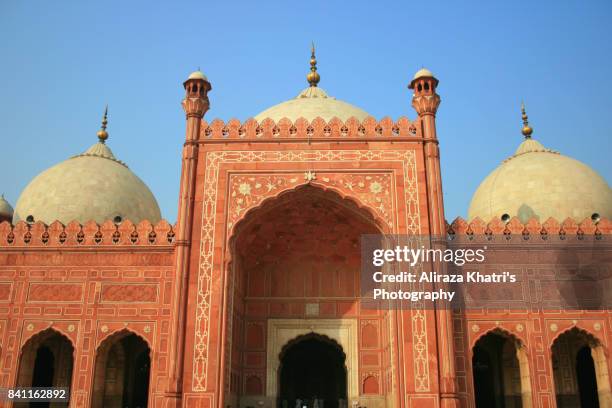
(121,373)
(295,269)
(46,360)
(500,370)
(312,367)
(580,371)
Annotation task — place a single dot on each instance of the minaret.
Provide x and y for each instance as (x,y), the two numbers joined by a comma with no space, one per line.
(425,101)
(195,104)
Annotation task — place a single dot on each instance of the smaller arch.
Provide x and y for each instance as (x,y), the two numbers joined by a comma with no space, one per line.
(312,368)
(46,333)
(253,385)
(370,385)
(121,371)
(121,332)
(46,359)
(497,356)
(49,331)
(311,336)
(518,340)
(586,356)
(591,337)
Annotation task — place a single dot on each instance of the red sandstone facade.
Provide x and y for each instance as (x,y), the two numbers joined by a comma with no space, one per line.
(266,251)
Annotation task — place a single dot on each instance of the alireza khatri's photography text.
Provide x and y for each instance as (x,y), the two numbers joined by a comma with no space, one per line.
(482,272)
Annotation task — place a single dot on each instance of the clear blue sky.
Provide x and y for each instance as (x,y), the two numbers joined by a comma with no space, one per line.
(61,62)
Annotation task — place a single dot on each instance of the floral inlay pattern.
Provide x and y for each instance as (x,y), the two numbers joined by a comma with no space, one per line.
(372,189)
(357,182)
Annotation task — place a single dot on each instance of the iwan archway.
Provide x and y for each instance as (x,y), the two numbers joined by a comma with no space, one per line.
(293,283)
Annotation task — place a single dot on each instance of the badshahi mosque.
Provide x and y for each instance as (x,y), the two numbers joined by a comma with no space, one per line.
(252,298)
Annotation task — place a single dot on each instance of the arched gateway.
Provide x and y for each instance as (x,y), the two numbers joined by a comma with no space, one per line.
(313,371)
(295,299)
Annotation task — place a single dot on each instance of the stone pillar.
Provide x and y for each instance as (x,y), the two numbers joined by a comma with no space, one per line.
(523,359)
(425,101)
(195,104)
(601,373)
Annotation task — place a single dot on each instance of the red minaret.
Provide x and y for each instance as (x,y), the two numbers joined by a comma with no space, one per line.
(195,104)
(425,101)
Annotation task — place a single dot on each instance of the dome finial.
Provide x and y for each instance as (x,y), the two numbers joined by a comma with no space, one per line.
(527,130)
(102,133)
(313,76)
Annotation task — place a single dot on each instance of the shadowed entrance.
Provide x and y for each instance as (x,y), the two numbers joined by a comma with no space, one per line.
(580,369)
(46,361)
(312,367)
(122,372)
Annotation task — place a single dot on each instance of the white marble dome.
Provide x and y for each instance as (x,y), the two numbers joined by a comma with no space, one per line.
(93,185)
(541,183)
(311,103)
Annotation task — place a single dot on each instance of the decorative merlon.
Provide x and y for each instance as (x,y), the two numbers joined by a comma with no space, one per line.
(532,229)
(57,235)
(318,128)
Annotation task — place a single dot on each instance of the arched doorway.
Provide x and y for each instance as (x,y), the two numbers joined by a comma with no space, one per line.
(580,371)
(312,368)
(295,269)
(46,361)
(121,377)
(500,380)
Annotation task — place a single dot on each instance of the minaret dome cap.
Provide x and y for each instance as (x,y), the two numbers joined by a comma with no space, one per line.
(197,75)
(422,73)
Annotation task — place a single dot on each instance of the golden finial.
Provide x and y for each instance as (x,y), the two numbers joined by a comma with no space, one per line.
(527,130)
(102,133)
(313,76)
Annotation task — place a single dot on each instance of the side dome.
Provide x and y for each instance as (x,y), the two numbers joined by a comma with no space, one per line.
(312,102)
(93,185)
(540,183)
(6,210)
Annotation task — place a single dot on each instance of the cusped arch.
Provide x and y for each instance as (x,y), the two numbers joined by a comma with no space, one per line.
(522,357)
(590,338)
(28,352)
(349,202)
(43,334)
(311,336)
(599,355)
(356,206)
(103,353)
(517,339)
(118,334)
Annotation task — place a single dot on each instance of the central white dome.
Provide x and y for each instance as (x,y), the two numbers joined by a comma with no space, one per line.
(313,102)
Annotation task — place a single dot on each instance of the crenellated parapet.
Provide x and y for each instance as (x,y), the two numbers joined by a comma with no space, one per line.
(532,229)
(303,130)
(108,234)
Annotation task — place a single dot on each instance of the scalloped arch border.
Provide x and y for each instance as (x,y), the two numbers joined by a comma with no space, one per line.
(580,328)
(503,332)
(120,333)
(363,210)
